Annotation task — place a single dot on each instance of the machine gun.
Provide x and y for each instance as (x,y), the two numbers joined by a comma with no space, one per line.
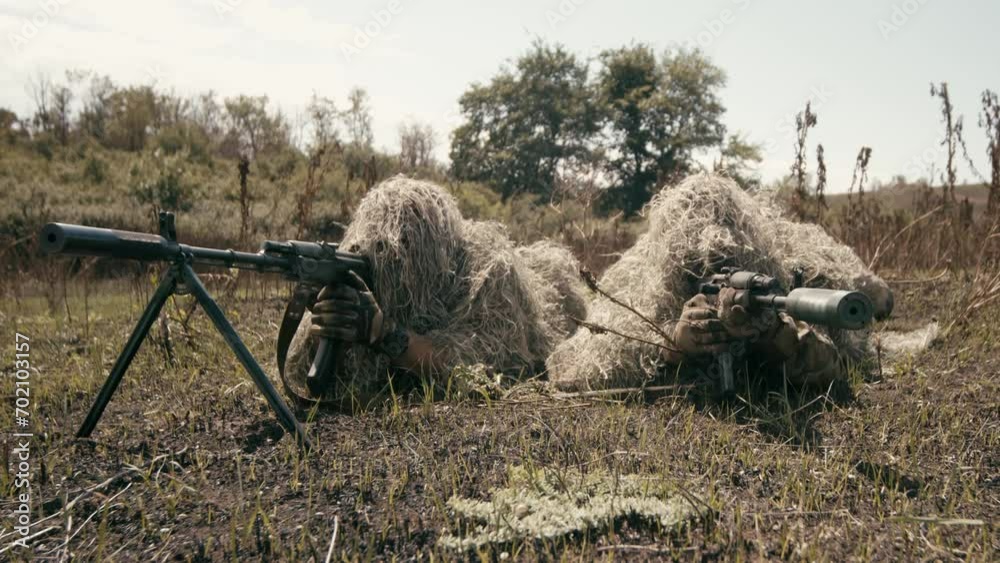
(311,265)
(839,309)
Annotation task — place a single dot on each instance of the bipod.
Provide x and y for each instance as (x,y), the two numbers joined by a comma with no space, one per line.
(181,279)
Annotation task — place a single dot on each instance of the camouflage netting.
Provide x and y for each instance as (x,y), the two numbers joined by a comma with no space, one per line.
(545,504)
(461,283)
(705,223)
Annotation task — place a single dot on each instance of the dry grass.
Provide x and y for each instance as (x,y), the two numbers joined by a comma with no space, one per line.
(189,462)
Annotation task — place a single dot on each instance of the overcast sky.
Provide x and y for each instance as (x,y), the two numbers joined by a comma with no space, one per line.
(866,64)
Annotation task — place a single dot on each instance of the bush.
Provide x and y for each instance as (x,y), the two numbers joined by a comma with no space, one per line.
(44,145)
(164,186)
(476,201)
(95,170)
(170,141)
(177,138)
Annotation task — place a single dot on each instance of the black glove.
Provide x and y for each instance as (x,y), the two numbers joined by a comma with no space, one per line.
(348,312)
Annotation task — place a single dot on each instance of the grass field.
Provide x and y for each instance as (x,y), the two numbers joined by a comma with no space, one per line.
(188,463)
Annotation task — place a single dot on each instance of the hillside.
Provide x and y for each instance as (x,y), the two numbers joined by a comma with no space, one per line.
(902,197)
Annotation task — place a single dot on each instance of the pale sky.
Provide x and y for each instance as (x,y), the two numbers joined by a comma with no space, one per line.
(866,64)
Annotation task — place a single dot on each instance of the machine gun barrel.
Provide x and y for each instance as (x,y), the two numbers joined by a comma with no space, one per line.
(79,240)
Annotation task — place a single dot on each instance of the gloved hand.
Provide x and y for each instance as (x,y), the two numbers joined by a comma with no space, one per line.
(699,332)
(775,334)
(782,341)
(348,312)
(735,316)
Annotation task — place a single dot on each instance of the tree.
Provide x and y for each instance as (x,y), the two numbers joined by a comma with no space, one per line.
(248,118)
(173,111)
(416,145)
(62,98)
(527,122)
(133,113)
(252,127)
(97,108)
(358,119)
(990,121)
(207,115)
(322,115)
(40,90)
(656,115)
(10,126)
(53,105)
(736,159)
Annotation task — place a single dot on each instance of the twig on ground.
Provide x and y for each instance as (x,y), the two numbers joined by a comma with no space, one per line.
(333,539)
(622,391)
(91,517)
(939,521)
(29,538)
(646,548)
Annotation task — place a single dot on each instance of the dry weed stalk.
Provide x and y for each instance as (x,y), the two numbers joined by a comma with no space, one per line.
(314,179)
(243,168)
(990,120)
(803,122)
(821,205)
(855,224)
(953,129)
(954,139)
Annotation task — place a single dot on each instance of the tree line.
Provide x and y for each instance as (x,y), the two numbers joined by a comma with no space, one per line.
(546,124)
(86,105)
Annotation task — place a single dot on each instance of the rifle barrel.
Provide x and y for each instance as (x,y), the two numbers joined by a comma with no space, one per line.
(80,240)
(850,310)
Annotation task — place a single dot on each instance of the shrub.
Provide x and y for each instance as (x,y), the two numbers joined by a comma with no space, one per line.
(170,141)
(95,170)
(163,184)
(44,145)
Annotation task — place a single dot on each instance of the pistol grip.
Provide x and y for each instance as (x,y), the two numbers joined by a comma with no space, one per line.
(726,367)
(325,366)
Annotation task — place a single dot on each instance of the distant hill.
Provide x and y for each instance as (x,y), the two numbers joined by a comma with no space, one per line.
(895,197)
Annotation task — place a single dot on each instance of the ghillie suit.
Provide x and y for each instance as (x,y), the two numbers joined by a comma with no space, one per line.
(696,228)
(460,283)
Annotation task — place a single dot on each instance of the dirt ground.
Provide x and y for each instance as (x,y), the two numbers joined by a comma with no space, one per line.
(188,463)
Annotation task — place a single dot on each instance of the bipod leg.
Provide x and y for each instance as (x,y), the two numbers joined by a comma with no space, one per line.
(160,296)
(214,312)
